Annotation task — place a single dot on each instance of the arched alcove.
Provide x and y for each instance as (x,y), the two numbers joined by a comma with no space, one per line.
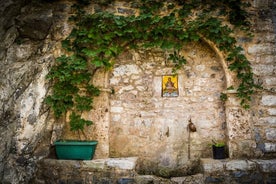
(133,119)
(154,128)
(239,132)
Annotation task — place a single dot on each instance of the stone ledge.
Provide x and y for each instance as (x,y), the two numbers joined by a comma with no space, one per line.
(128,163)
(109,170)
(266,166)
(122,163)
(211,165)
(122,171)
(238,171)
(240,165)
(225,165)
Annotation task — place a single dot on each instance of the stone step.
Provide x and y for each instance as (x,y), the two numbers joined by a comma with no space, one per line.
(128,163)
(223,165)
(110,170)
(122,171)
(239,171)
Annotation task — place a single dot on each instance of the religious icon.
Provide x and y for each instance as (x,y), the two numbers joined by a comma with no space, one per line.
(169,86)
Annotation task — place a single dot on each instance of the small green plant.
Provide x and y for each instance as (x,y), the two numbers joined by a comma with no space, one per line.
(218,143)
(223,97)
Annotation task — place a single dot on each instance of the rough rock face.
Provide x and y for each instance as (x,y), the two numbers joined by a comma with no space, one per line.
(26,51)
(30,36)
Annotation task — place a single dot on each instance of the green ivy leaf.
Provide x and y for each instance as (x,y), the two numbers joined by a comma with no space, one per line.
(91,53)
(83,103)
(97,62)
(167,45)
(77,123)
(100,37)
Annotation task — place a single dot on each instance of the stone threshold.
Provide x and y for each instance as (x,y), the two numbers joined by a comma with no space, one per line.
(122,171)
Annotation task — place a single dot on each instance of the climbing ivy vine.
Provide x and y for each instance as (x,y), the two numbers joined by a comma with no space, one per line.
(98,38)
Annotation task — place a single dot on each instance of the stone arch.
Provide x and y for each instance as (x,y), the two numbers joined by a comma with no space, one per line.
(147,116)
(227,72)
(240,139)
(238,133)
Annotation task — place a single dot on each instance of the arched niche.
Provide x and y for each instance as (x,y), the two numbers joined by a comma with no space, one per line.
(135,118)
(239,133)
(154,128)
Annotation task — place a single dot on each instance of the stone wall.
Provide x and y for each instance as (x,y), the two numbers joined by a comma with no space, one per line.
(154,128)
(262,54)
(136,120)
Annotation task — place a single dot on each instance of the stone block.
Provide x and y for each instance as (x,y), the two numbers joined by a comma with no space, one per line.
(263,70)
(95,164)
(240,165)
(126,181)
(193,179)
(268,120)
(126,70)
(270,134)
(272,111)
(200,67)
(125,11)
(125,88)
(216,179)
(114,81)
(269,100)
(261,49)
(260,3)
(270,147)
(265,59)
(264,26)
(210,165)
(267,38)
(147,179)
(244,39)
(266,166)
(272,120)
(270,81)
(122,163)
(116,109)
(246,177)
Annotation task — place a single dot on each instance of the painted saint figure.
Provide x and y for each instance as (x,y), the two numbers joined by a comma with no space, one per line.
(169,86)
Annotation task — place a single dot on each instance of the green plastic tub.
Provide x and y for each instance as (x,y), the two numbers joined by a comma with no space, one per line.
(75,150)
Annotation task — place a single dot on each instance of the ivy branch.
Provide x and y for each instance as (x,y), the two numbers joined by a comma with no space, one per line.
(97,39)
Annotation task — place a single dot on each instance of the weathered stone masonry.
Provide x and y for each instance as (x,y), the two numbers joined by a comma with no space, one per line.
(155,126)
(262,54)
(135,120)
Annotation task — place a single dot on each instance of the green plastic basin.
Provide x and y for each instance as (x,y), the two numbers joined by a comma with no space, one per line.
(75,150)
